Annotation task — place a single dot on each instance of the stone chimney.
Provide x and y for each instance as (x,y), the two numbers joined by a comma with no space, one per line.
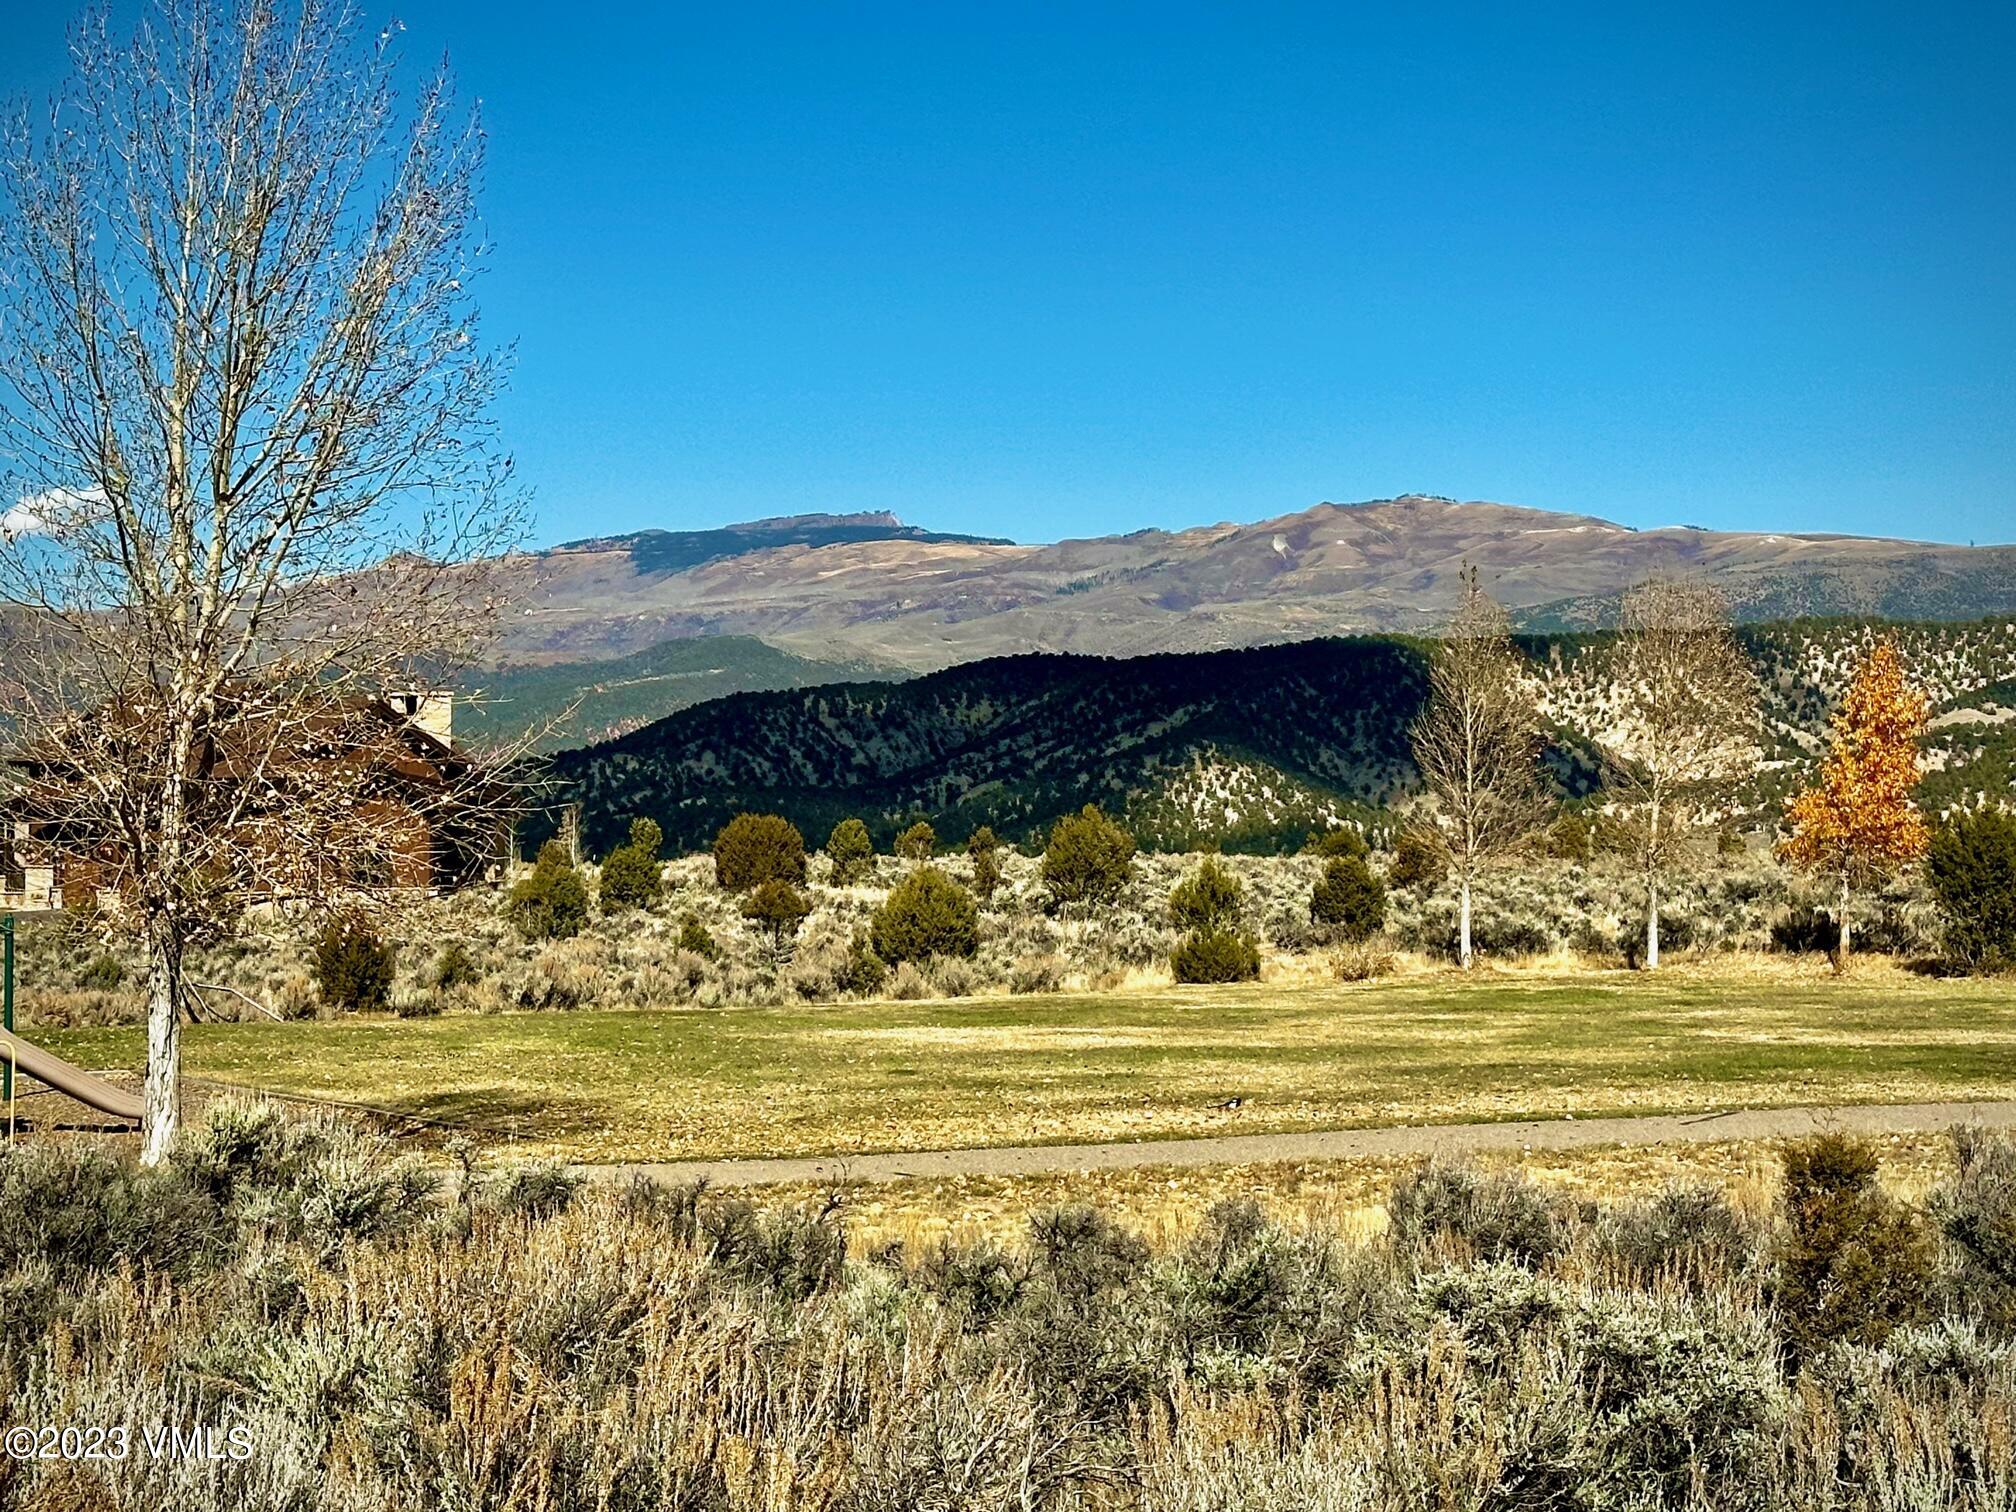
(433,711)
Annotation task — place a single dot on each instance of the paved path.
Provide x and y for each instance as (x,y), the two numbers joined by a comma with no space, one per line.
(1340,1144)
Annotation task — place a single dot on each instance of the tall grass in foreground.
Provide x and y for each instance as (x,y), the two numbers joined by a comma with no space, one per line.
(522,1341)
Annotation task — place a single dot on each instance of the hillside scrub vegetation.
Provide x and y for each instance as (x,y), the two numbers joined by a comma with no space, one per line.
(539,943)
(927,915)
(631,877)
(1088,860)
(1254,751)
(1350,900)
(756,848)
(851,851)
(551,902)
(1971,867)
(353,966)
(647,1346)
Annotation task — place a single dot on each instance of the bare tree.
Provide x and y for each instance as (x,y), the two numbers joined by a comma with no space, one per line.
(1478,743)
(1685,727)
(244,452)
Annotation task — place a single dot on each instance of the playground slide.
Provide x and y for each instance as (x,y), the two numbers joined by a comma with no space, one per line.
(67,1079)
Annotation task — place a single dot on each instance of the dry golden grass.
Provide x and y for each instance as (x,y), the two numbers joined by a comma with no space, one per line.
(631,1349)
(1166,1203)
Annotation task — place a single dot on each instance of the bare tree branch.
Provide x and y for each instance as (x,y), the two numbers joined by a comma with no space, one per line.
(1684,727)
(244,412)
(1478,743)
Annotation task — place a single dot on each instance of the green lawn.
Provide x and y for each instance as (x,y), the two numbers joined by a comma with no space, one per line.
(890,1076)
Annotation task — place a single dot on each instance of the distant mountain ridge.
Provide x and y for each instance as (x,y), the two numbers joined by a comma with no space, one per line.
(572,704)
(665,551)
(1244,749)
(869,588)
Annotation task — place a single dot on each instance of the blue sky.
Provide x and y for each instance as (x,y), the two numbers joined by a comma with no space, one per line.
(1061,271)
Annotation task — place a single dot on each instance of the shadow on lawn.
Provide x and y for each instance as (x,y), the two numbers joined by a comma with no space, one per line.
(489,1112)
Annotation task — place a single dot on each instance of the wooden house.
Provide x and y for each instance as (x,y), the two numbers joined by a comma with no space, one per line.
(360,795)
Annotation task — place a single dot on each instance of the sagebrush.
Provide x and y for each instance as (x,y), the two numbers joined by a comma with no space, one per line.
(521,1338)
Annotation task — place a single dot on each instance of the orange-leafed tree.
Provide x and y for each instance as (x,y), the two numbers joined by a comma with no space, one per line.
(1857,822)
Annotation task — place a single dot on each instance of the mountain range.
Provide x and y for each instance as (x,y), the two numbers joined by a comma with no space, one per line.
(871,590)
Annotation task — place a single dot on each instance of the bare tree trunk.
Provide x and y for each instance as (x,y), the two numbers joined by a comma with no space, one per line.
(1477,742)
(1687,729)
(1463,929)
(241,389)
(1841,960)
(164,1041)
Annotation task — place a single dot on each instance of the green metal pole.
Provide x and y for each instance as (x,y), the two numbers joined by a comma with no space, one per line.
(7,1001)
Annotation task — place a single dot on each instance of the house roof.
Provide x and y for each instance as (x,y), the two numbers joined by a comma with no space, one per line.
(244,743)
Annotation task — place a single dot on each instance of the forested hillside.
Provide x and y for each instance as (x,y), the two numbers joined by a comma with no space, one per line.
(1244,749)
(1240,746)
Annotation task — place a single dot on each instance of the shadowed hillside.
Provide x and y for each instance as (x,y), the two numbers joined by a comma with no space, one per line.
(1245,749)
(1238,745)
